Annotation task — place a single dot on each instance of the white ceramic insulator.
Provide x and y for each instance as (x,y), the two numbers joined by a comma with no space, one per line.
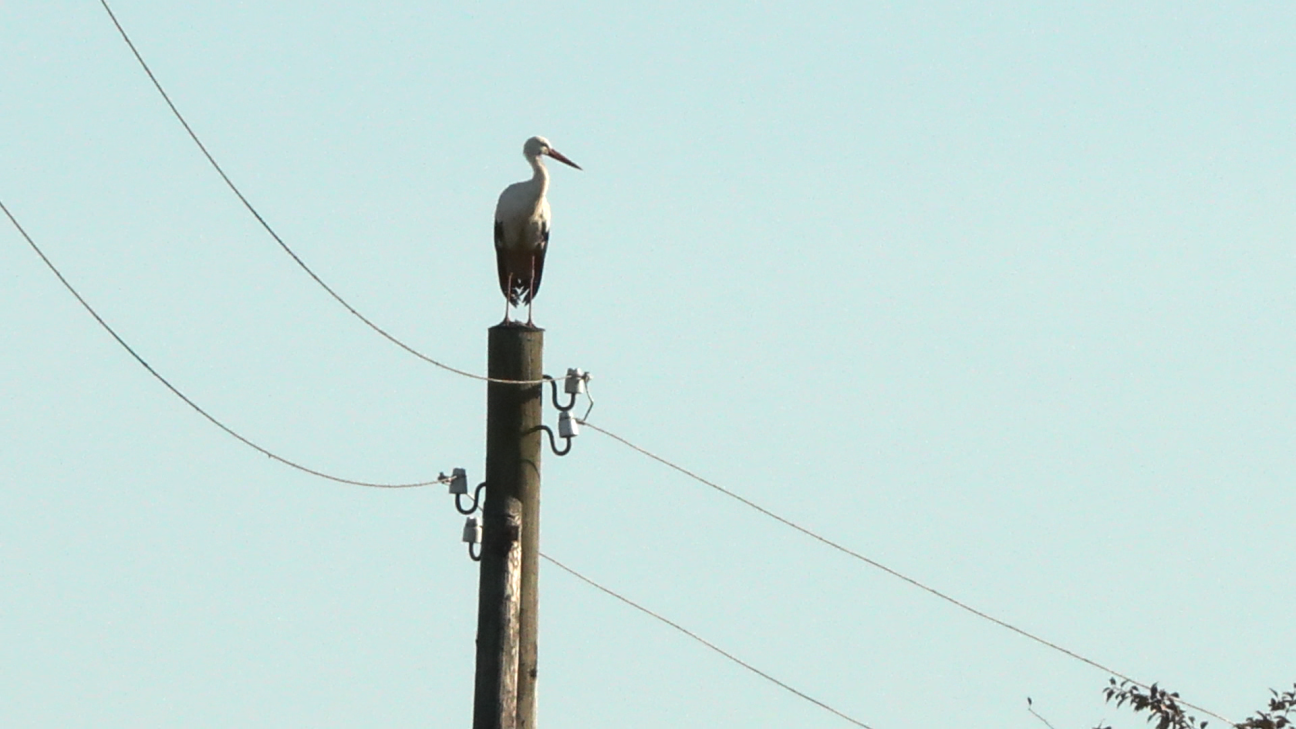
(575,383)
(472,533)
(567,425)
(458,481)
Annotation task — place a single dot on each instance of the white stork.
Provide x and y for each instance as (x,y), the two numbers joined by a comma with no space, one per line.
(522,229)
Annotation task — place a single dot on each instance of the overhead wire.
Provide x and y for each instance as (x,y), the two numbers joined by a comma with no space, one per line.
(286,248)
(878,565)
(408,348)
(176,391)
(244,440)
(703,641)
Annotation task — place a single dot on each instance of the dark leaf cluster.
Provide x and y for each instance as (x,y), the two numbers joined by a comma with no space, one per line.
(1162,707)
(1279,714)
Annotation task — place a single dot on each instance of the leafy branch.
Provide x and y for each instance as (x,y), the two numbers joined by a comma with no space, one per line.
(1163,707)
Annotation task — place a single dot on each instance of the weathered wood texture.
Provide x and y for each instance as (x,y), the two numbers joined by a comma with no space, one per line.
(507,596)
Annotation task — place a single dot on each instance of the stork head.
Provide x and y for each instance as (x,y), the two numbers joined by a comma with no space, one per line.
(536,146)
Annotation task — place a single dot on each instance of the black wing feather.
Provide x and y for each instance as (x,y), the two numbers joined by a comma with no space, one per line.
(499,260)
(539,263)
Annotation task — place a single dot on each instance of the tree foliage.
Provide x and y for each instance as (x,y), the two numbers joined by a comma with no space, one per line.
(1164,708)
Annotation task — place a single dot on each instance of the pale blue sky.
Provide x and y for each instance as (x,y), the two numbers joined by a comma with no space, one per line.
(1000,295)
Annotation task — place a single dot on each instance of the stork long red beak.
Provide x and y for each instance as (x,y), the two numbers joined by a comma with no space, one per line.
(558,156)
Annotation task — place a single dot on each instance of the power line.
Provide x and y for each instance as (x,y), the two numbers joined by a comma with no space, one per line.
(873,563)
(176,391)
(702,640)
(292,254)
(298,260)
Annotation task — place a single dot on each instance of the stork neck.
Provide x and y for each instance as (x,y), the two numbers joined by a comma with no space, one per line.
(540,178)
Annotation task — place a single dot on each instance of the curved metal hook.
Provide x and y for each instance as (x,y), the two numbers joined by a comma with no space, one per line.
(474,556)
(553,443)
(554,385)
(476,500)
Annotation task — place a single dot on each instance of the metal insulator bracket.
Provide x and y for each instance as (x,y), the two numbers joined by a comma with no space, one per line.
(476,497)
(553,442)
(573,385)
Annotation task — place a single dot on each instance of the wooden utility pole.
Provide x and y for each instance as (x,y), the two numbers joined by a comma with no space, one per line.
(510,555)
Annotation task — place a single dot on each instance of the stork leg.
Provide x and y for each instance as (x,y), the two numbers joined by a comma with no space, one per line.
(531,292)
